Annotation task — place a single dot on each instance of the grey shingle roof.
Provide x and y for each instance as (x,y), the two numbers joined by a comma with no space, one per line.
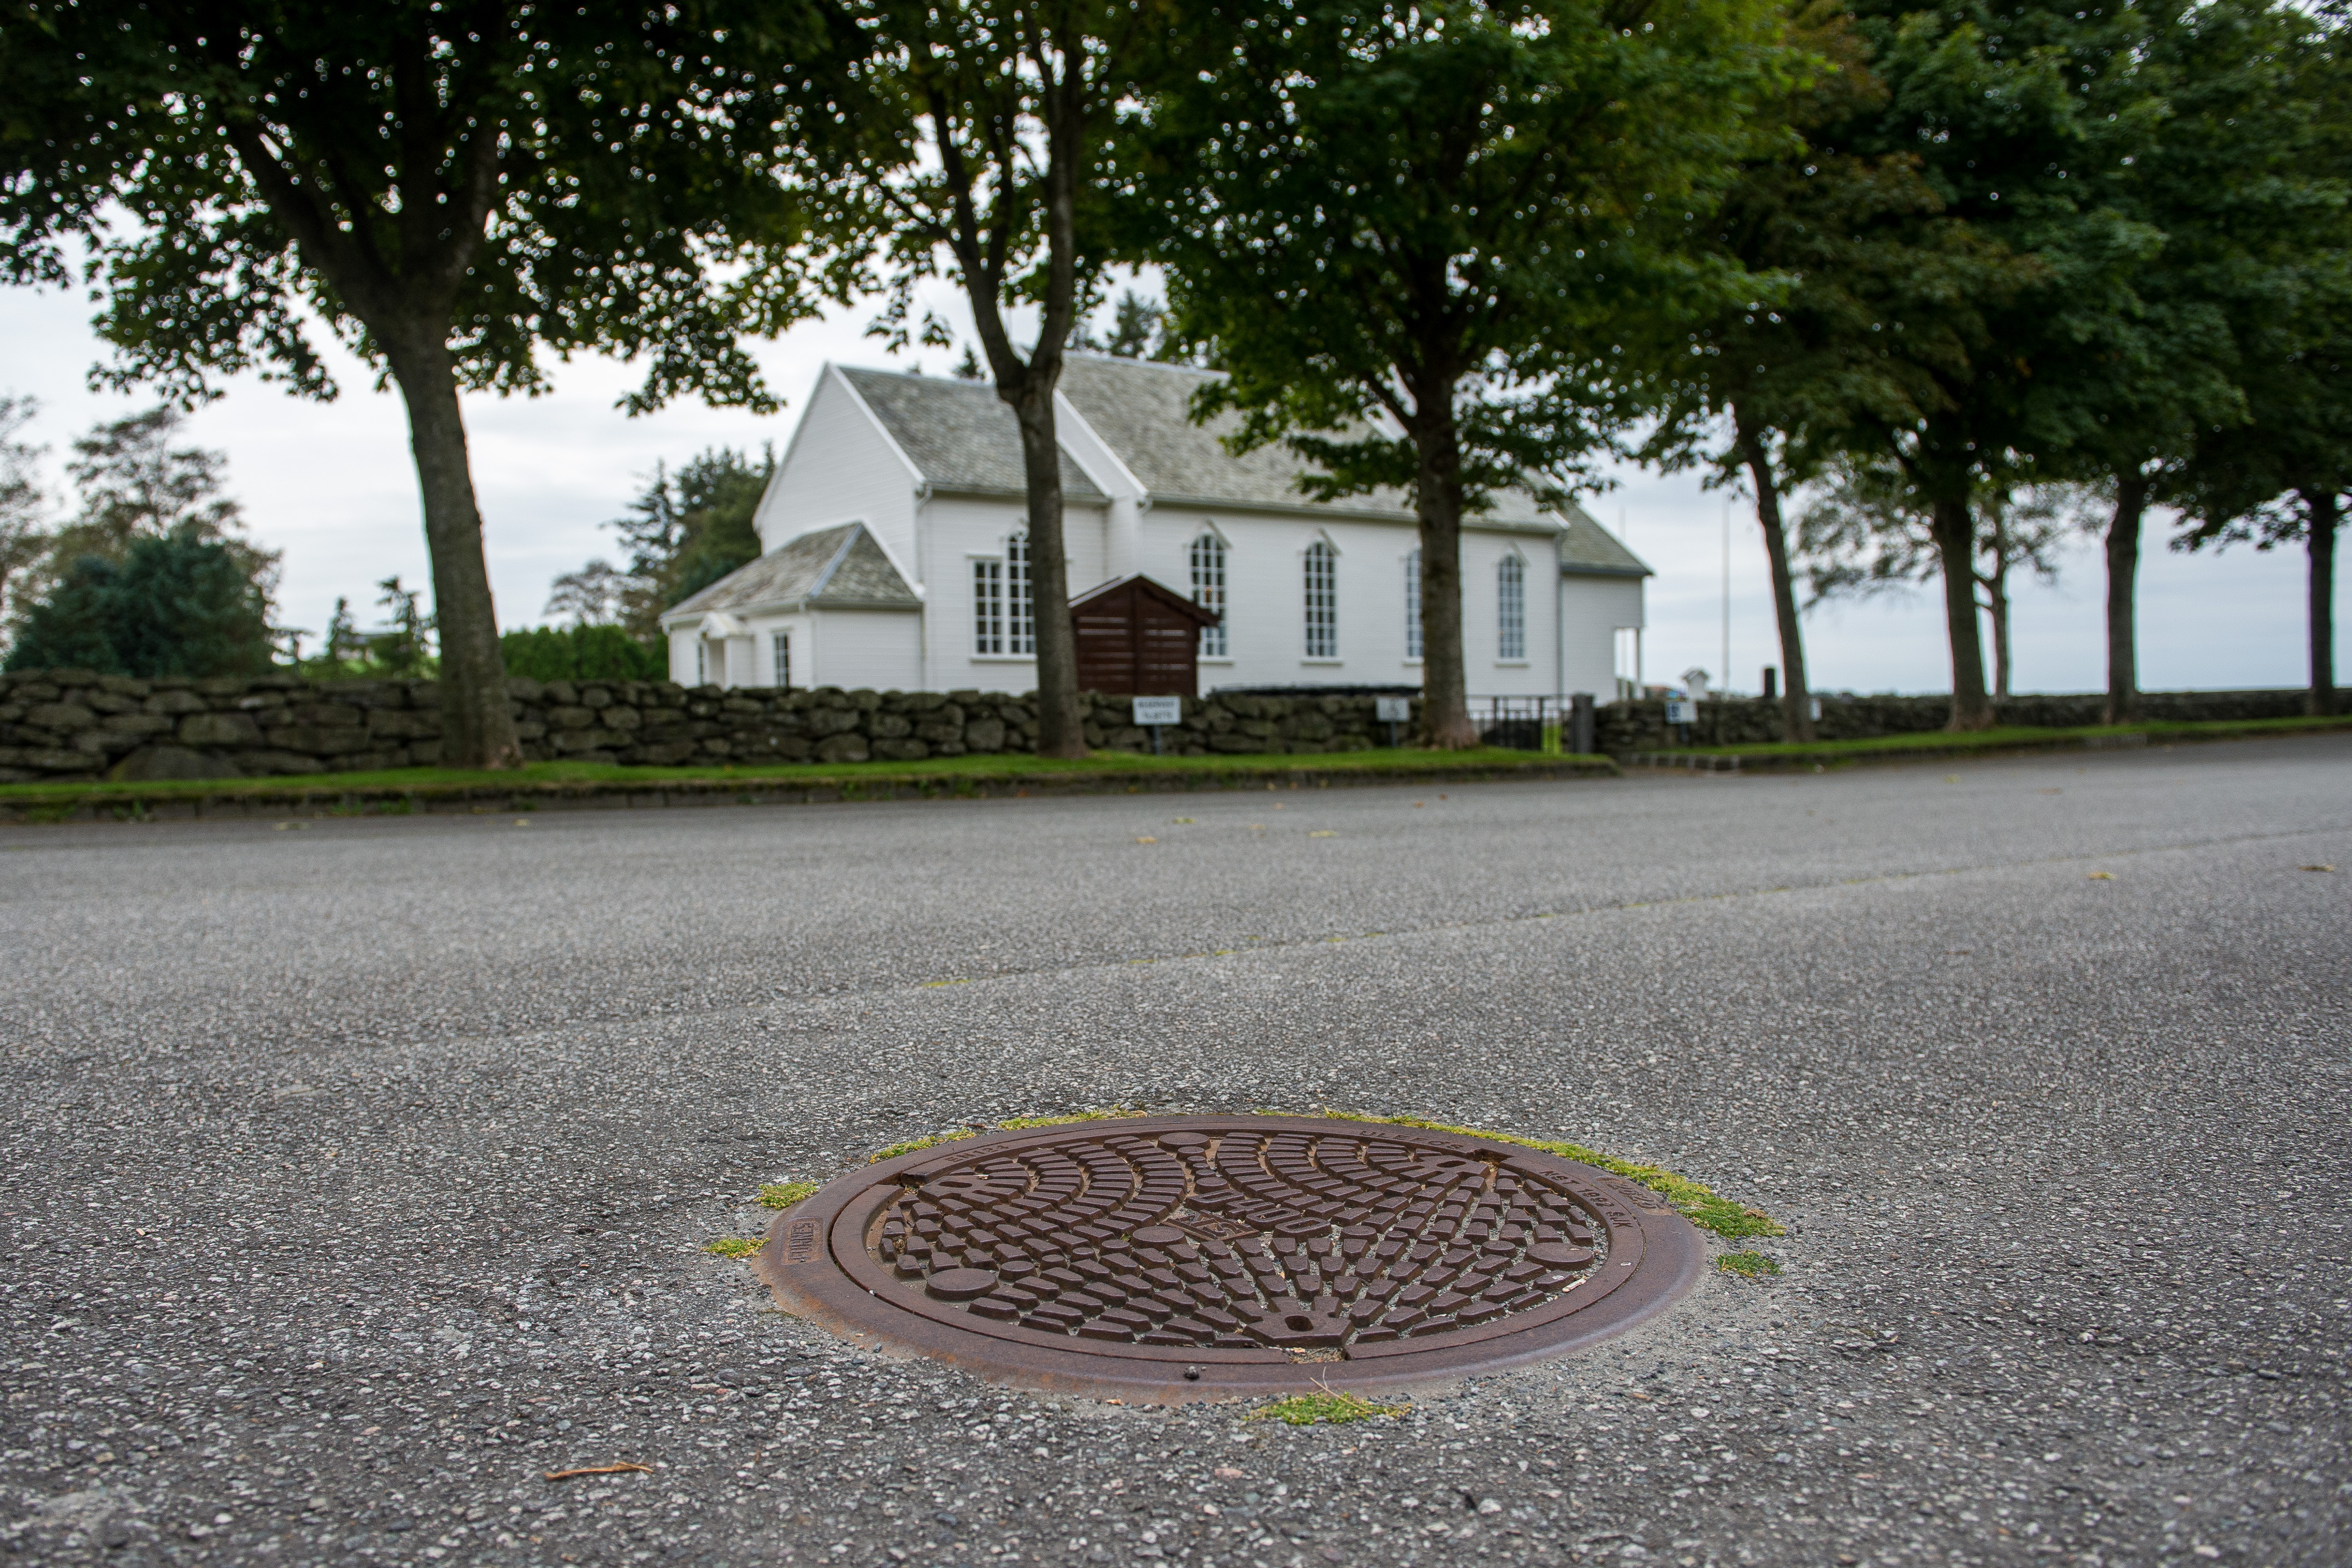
(1142,410)
(834,568)
(1589,550)
(959,434)
(961,437)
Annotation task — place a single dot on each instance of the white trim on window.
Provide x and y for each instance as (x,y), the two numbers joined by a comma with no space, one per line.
(1206,556)
(1511,609)
(1003,601)
(1319,585)
(987,607)
(1019,596)
(1412,606)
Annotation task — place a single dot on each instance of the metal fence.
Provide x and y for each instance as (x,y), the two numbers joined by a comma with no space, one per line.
(1534,723)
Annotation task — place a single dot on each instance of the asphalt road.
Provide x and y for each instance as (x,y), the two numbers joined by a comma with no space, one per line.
(357,1174)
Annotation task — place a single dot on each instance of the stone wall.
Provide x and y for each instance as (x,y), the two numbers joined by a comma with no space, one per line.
(1623,728)
(74,725)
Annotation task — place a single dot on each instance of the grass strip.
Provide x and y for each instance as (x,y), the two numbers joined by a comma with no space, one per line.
(784,1194)
(1941,741)
(1748,1265)
(1338,1409)
(735,1246)
(1699,1204)
(576,778)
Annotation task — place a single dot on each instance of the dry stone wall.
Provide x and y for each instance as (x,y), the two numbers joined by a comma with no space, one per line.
(67,725)
(1624,728)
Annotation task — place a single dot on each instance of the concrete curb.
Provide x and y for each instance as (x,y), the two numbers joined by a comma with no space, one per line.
(1802,762)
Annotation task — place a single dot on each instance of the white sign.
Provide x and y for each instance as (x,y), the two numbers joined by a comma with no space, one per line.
(1158,709)
(1392,709)
(1679,711)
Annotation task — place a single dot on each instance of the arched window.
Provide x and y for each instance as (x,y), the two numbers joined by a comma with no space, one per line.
(987,606)
(1019,603)
(1511,608)
(1413,604)
(1209,591)
(1322,584)
(1003,611)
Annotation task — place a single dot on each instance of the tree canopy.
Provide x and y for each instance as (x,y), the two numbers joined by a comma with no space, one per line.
(1430,242)
(1850,249)
(686,529)
(177,604)
(987,147)
(453,194)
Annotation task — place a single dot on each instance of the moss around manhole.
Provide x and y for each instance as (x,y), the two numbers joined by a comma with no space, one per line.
(1178,1258)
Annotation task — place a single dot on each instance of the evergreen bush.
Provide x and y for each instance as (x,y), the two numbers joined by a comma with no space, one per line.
(583,653)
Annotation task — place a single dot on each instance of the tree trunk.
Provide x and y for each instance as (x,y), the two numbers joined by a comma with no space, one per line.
(1796,702)
(2324,513)
(1955,529)
(2123,572)
(1061,728)
(1997,611)
(477,726)
(1445,686)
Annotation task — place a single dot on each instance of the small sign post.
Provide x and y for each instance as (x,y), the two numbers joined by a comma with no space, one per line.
(1392,711)
(1156,712)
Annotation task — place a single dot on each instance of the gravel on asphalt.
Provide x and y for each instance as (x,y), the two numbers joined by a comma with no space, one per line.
(360,1173)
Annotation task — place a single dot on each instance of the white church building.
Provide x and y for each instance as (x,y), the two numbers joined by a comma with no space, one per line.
(896,552)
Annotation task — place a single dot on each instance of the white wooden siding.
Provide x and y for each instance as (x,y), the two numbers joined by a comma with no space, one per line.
(880,650)
(1265,589)
(1592,609)
(840,467)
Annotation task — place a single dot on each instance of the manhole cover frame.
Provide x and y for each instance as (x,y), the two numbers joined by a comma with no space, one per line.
(816,1263)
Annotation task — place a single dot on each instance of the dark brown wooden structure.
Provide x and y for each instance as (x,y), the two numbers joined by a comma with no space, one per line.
(1139,638)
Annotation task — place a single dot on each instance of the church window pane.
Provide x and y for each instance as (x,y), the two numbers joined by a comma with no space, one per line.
(1413,604)
(1209,591)
(1322,601)
(1511,608)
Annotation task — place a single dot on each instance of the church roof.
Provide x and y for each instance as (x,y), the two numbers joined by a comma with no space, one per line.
(959,434)
(961,437)
(1589,550)
(1142,410)
(833,569)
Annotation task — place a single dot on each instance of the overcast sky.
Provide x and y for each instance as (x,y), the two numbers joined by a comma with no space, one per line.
(330,485)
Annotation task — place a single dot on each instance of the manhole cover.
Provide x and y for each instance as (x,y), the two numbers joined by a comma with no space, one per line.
(1178,1256)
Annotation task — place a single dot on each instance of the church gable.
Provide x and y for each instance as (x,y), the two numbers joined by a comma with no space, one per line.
(959,435)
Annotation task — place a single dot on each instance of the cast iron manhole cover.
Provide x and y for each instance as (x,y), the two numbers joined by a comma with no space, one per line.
(1184,1256)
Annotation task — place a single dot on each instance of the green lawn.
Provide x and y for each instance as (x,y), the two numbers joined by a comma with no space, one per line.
(1942,740)
(568,778)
